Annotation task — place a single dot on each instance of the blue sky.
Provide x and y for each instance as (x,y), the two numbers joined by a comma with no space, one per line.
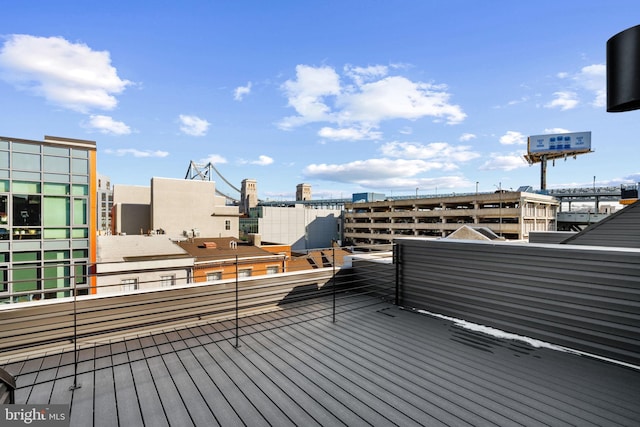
(348,96)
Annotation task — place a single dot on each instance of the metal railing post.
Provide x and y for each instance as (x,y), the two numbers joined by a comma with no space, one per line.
(396,260)
(237,316)
(333,284)
(75,384)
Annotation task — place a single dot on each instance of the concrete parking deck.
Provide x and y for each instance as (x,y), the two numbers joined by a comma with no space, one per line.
(377,365)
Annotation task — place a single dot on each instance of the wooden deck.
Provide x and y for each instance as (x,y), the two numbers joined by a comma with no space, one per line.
(377,365)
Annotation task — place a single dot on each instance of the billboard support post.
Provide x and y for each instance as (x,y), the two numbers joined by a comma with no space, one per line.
(543,172)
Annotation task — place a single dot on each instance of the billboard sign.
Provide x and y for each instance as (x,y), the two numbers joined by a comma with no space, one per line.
(560,143)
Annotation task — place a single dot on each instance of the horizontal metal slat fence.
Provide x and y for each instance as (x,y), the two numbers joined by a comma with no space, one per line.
(584,298)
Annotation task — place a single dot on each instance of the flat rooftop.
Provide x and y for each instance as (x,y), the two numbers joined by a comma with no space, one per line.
(376,365)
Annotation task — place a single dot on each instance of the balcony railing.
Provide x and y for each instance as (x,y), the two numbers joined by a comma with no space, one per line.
(77,321)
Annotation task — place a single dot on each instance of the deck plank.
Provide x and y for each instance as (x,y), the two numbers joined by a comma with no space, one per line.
(153,413)
(171,400)
(377,365)
(127,404)
(105,408)
(320,403)
(231,390)
(82,400)
(196,407)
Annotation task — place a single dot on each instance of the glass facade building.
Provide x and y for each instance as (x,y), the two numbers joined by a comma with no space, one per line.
(47,218)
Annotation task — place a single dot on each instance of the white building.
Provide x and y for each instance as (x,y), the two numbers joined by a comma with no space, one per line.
(105,204)
(175,207)
(129,263)
(299,226)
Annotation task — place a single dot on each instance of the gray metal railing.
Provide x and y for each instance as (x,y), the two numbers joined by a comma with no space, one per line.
(7,387)
(79,321)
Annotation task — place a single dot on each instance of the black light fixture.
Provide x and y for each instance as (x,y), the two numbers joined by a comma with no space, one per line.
(623,71)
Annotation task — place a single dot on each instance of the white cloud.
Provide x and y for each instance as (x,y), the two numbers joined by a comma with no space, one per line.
(71,75)
(556,130)
(241,91)
(317,95)
(593,78)
(467,137)
(589,82)
(385,174)
(363,74)
(351,134)
(193,125)
(306,94)
(400,167)
(513,138)
(397,97)
(565,100)
(136,153)
(370,170)
(106,124)
(505,162)
(518,101)
(440,151)
(262,161)
(214,159)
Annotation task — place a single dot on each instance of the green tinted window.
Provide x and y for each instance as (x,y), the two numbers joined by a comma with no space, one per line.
(56,164)
(56,233)
(80,233)
(26,148)
(79,211)
(58,151)
(25,278)
(26,256)
(80,253)
(80,166)
(56,276)
(26,162)
(56,188)
(25,187)
(56,211)
(80,190)
(4,159)
(52,255)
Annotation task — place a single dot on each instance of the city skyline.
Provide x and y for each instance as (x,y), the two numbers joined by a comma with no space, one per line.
(407,98)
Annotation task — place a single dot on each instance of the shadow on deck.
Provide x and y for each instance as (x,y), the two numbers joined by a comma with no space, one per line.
(377,365)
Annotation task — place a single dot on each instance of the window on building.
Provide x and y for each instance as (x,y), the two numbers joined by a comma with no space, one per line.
(215,275)
(244,272)
(166,281)
(4,208)
(54,164)
(129,284)
(4,276)
(227,225)
(273,269)
(26,210)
